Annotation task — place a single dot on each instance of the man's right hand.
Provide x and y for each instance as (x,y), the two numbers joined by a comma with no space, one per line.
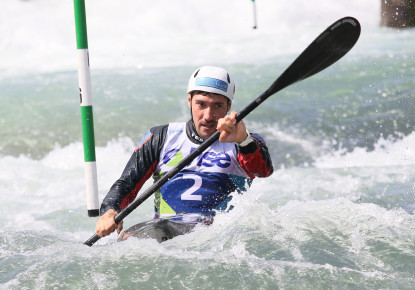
(106,224)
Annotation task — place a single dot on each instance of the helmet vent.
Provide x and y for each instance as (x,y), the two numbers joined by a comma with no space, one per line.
(229,79)
(198,72)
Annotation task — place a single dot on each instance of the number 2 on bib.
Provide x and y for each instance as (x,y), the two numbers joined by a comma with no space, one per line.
(188,194)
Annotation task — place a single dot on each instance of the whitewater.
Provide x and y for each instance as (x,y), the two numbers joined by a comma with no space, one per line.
(338,212)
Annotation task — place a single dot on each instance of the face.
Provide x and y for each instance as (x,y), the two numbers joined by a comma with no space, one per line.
(207,109)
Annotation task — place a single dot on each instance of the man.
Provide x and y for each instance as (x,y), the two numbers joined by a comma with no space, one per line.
(194,194)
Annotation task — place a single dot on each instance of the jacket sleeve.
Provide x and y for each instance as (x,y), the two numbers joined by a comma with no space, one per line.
(255,159)
(139,169)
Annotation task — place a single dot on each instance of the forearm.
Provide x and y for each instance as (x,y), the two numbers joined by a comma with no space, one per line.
(126,185)
(138,170)
(255,158)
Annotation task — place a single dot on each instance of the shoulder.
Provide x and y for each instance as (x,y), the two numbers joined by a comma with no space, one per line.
(154,135)
(159,129)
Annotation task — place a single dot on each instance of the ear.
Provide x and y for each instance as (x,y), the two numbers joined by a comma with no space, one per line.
(189,101)
(229,106)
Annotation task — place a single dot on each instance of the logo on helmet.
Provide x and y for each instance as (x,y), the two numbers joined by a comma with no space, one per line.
(213,83)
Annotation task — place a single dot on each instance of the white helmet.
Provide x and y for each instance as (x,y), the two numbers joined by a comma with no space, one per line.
(212,79)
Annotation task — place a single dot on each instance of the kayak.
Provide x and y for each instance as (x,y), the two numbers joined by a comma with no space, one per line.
(163,229)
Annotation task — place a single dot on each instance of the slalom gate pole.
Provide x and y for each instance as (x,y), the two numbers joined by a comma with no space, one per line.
(255,22)
(86,109)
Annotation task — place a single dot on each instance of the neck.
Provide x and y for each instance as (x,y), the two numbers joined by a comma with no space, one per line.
(192,133)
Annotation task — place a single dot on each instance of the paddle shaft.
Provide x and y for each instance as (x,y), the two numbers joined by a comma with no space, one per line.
(325,50)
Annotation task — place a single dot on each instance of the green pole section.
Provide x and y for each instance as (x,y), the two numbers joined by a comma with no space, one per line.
(88,133)
(80,24)
(86,109)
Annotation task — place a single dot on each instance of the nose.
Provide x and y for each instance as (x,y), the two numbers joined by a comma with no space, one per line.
(209,114)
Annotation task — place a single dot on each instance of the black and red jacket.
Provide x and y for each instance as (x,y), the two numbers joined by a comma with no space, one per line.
(253,158)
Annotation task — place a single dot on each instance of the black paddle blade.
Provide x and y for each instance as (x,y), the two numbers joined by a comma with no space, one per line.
(329,47)
(326,49)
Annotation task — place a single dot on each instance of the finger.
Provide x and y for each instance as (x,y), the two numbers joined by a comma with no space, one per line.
(230,126)
(219,126)
(233,117)
(102,232)
(223,137)
(225,125)
(99,232)
(105,227)
(109,230)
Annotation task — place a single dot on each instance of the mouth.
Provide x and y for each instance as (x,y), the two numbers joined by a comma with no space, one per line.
(208,126)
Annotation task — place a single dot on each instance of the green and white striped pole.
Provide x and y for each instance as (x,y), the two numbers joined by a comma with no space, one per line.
(86,109)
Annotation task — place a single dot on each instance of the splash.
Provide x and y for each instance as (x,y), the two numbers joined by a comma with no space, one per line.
(387,152)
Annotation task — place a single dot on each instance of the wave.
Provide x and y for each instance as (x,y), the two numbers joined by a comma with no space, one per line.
(387,152)
(347,243)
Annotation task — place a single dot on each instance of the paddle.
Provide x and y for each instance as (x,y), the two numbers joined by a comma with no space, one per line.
(325,50)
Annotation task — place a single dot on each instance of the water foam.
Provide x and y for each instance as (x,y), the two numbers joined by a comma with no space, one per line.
(387,152)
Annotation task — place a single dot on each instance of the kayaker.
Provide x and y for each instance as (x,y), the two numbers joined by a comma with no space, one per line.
(200,189)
